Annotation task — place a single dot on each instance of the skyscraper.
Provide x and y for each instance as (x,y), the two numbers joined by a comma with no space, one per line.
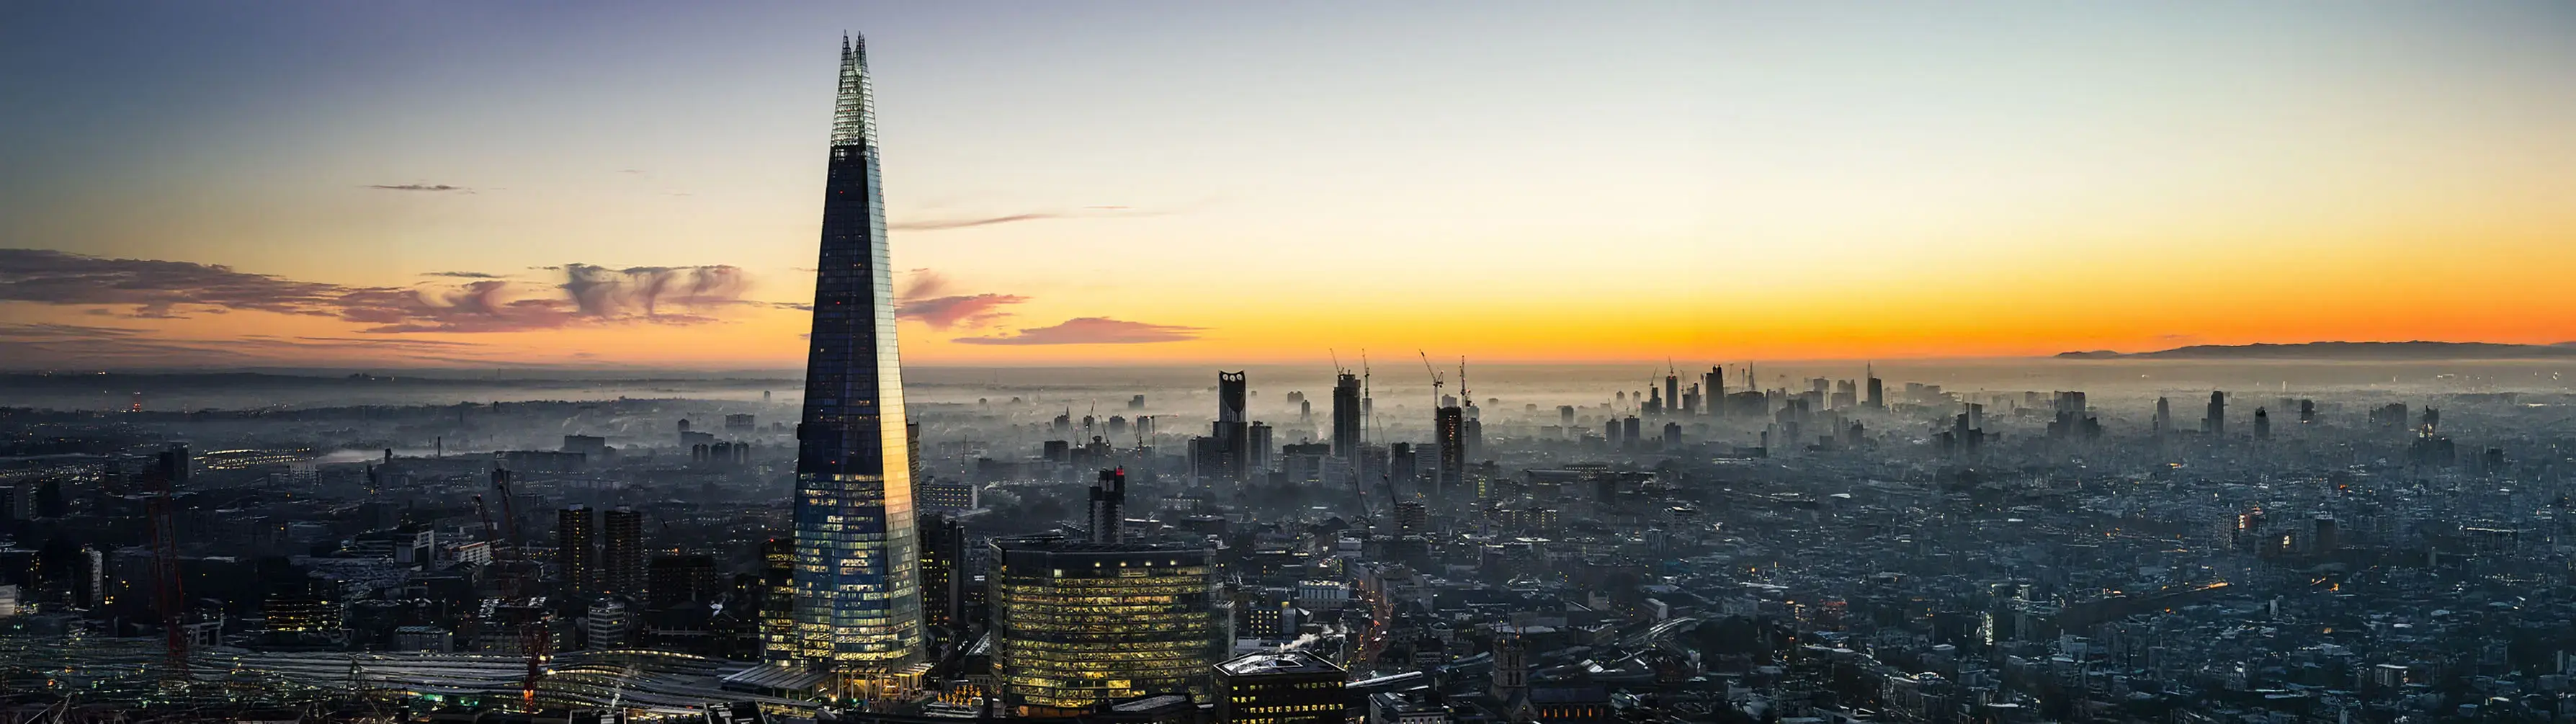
(1877,389)
(1450,424)
(576,532)
(1346,416)
(858,601)
(621,553)
(1230,437)
(943,549)
(2216,422)
(1716,385)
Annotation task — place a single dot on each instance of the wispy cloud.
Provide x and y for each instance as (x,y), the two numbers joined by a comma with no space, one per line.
(968,222)
(419,187)
(969,310)
(1092,330)
(461,274)
(587,294)
(925,298)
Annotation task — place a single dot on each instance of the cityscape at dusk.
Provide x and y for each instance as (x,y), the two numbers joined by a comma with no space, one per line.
(1301,363)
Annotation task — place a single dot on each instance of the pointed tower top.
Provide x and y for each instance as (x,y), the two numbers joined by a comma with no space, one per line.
(854,115)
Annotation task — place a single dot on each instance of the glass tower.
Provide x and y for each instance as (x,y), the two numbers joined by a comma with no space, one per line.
(857,591)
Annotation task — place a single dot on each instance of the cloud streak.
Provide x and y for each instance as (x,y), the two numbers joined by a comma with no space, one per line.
(968,310)
(589,294)
(418,187)
(1092,330)
(969,222)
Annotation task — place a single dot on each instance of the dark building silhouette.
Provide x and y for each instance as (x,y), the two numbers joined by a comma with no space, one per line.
(2215,423)
(576,537)
(943,549)
(674,578)
(1449,424)
(1346,416)
(1260,446)
(1877,389)
(621,553)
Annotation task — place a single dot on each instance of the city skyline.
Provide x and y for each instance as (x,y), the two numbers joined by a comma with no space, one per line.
(573,186)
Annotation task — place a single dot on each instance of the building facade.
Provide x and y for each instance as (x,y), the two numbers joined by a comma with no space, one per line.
(1079,623)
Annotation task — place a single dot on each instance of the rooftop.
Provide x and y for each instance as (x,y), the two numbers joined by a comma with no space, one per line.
(1283,662)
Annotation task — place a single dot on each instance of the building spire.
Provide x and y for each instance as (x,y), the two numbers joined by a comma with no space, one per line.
(854,114)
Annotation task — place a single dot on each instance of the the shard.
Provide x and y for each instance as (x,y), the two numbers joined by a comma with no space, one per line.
(857,591)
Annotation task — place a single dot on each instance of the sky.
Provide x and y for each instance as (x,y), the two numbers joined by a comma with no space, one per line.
(640,184)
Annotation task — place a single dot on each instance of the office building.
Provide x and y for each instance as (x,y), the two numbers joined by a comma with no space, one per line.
(948,495)
(677,578)
(2215,423)
(1078,623)
(778,602)
(943,550)
(1288,687)
(858,597)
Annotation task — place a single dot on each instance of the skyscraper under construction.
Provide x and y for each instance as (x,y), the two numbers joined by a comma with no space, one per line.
(857,592)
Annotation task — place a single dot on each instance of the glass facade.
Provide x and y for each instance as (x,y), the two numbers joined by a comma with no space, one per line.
(1076,624)
(857,594)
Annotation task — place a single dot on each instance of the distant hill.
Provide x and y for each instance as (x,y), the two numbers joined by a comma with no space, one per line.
(2330,351)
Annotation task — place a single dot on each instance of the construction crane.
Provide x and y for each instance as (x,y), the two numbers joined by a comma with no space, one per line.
(1436,382)
(1465,398)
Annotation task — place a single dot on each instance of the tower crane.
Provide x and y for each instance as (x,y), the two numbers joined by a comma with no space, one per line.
(1436,382)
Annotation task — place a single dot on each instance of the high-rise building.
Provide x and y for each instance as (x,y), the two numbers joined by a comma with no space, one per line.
(1287,687)
(1403,465)
(1259,443)
(1877,389)
(1346,416)
(621,553)
(2215,423)
(1221,456)
(1077,623)
(2262,424)
(943,550)
(858,597)
(576,535)
(1450,425)
(1107,513)
(1672,391)
(2164,416)
(778,602)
